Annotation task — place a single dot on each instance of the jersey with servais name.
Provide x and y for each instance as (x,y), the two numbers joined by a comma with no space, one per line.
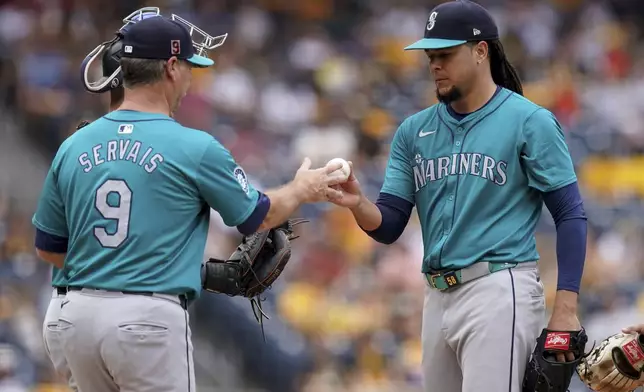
(131,191)
(477,182)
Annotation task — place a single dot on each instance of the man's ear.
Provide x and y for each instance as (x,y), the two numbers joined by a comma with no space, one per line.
(172,67)
(481,51)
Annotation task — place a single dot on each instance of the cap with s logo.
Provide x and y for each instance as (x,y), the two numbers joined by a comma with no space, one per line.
(454,23)
(161,38)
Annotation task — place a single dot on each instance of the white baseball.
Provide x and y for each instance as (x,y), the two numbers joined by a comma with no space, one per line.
(342,172)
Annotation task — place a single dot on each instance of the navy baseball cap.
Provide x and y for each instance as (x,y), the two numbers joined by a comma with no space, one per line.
(161,38)
(454,23)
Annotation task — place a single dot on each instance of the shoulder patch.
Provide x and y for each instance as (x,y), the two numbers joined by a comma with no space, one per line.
(240,175)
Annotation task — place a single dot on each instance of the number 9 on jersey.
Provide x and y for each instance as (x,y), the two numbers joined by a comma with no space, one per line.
(119,213)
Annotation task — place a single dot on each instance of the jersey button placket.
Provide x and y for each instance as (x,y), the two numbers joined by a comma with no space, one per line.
(448,211)
(458,144)
(452,183)
(458,140)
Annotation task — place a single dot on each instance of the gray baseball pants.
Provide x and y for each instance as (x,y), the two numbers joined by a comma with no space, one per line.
(116,342)
(51,339)
(479,336)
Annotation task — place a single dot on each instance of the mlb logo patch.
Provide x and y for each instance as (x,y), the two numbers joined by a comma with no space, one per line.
(125,129)
(175,47)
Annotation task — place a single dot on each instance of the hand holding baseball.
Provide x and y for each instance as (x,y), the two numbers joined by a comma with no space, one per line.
(343,172)
(348,192)
(316,185)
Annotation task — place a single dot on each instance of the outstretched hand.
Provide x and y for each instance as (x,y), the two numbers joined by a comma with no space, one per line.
(315,185)
(348,194)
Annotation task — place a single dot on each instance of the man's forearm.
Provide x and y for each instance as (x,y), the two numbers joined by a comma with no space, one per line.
(565,301)
(284,202)
(367,215)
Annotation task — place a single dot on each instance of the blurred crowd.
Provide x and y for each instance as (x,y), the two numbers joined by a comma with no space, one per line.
(325,79)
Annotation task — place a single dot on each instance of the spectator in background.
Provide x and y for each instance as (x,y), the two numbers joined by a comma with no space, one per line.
(8,365)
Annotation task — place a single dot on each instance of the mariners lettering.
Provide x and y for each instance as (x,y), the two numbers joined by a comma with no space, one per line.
(121,150)
(473,164)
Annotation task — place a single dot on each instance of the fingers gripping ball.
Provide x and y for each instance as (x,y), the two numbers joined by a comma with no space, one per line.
(343,172)
(616,365)
(543,372)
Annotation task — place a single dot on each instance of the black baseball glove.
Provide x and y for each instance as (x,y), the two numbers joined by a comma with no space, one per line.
(256,263)
(544,373)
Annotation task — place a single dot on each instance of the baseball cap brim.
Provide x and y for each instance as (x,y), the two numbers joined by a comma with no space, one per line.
(200,61)
(434,43)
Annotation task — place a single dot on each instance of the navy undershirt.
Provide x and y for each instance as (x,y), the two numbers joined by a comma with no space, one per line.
(252,223)
(50,243)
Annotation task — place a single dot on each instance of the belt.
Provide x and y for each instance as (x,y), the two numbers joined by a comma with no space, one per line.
(450,279)
(60,290)
(183,299)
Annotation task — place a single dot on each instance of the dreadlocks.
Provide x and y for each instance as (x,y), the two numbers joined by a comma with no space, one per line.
(503,73)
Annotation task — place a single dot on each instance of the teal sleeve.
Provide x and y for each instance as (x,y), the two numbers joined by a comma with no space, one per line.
(50,212)
(224,185)
(544,154)
(399,176)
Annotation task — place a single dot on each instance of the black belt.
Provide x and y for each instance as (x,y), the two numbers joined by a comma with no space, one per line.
(61,290)
(183,299)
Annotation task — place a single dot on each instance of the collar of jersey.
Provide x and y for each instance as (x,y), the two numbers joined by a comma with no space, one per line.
(133,116)
(489,107)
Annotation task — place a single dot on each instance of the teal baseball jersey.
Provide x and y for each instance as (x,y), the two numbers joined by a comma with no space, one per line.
(131,192)
(477,183)
(58,277)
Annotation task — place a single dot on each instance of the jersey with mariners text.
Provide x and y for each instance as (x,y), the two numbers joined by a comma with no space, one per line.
(477,183)
(131,192)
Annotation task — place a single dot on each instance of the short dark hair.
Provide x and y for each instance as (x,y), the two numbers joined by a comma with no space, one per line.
(116,96)
(138,72)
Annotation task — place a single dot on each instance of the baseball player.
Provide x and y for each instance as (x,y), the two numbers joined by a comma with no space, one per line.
(127,199)
(111,81)
(477,166)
